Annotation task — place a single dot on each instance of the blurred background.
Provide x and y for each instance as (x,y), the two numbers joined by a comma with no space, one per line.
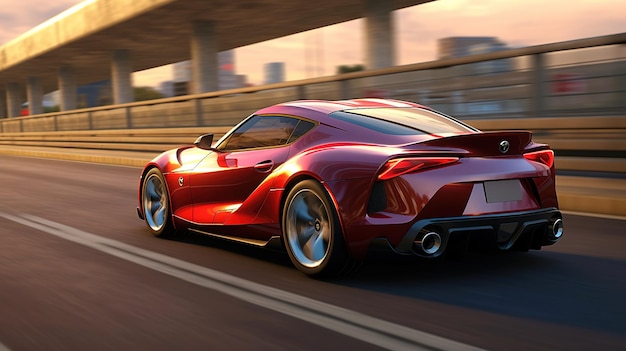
(583,81)
(119,81)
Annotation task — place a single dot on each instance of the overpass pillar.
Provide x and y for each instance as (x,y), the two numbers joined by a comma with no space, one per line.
(121,77)
(204,51)
(3,106)
(35,96)
(14,99)
(67,88)
(379,38)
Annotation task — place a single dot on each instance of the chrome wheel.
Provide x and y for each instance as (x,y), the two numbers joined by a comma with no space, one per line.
(155,203)
(312,232)
(308,228)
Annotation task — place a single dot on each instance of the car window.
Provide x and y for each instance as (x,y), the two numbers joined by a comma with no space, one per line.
(301,129)
(264,131)
(403,121)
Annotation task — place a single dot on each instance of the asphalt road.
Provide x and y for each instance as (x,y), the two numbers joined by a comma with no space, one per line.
(79,271)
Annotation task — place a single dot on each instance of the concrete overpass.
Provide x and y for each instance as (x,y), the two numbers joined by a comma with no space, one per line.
(109,39)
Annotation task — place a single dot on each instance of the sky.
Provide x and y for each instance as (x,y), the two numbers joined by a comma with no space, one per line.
(517,23)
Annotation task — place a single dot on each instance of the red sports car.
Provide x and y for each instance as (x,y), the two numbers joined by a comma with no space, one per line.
(333,180)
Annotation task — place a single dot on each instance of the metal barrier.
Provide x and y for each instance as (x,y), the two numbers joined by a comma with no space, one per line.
(573,78)
(584,144)
(508,89)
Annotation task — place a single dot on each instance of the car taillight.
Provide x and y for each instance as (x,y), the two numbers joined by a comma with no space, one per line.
(544,156)
(399,166)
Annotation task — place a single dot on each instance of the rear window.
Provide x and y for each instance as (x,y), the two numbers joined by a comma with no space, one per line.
(403,121)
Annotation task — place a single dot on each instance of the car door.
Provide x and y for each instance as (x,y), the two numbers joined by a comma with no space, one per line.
(241,162)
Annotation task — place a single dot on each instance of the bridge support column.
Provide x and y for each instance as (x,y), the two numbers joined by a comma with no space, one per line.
(14,99)
(204,63)
(35,96)
(3,105)
(67,88)
(121,77)
(379,38)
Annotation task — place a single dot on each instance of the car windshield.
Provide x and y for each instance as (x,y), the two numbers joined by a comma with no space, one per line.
(403,121)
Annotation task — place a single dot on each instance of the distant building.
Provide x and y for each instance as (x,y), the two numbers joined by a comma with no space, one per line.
(274,72)
(94,94)
(52,99)
(181,71)
(241,80)
(452,47)
(182,76)
(227,77)
(181,88)
(167,88)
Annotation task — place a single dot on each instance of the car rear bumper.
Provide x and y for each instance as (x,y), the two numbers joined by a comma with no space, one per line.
(518,231)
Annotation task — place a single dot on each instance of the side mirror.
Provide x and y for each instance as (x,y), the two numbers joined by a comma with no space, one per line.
(205,142)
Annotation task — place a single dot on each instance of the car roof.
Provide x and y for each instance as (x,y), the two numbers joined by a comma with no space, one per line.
(328,107)
(322,112)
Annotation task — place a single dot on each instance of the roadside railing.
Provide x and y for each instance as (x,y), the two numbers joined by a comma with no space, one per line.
(572,95)
(584,144)
(585,77)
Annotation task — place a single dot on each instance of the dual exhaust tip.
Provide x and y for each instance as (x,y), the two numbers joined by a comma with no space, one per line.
(557,229)
(428,243)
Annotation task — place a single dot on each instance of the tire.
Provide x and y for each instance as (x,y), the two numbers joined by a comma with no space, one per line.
(312,233)
(155,203)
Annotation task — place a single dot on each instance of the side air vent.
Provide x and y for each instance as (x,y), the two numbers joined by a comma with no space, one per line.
(378,198)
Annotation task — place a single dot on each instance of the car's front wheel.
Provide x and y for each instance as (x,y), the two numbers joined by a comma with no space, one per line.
(156,205)
(312,233)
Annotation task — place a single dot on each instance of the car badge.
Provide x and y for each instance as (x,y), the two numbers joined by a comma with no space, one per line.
(504,146)
(181,181)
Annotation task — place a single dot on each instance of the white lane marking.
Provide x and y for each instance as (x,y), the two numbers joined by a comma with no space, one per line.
(354,324)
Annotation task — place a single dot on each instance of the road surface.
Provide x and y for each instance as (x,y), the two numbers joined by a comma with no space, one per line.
(79,270)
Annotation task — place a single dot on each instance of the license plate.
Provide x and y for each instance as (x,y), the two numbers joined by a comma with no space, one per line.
(503,190)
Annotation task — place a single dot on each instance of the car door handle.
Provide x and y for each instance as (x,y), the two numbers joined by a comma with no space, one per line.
(264,167)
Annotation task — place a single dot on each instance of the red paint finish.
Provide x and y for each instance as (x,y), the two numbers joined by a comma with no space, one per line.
(381,180)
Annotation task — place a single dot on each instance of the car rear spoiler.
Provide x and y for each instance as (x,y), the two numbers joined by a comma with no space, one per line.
(483,143)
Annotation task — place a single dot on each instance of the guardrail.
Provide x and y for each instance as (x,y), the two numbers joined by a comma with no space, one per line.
(579,77)
(585,144)
(142,140)
(521,88)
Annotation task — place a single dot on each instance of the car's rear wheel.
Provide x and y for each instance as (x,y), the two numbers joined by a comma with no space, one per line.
(312,233)
(156,204)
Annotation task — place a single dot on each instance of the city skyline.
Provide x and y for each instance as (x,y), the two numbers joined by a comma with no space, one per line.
(319,52)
